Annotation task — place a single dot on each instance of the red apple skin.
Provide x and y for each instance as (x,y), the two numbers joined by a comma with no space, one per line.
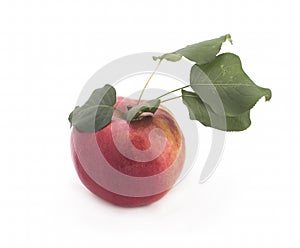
(164,168)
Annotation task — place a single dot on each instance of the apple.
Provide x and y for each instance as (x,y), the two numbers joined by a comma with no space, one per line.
(130,164)
(131,152)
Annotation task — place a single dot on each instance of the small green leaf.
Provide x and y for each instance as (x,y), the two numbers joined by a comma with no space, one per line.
(201,53)
(224,76)
(200,111)
(173,57)
(149,106)
(71,116)
(97,112)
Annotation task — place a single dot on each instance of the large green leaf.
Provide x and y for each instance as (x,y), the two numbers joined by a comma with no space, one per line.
(135,112)
(200,111)
(97,112)
(225,77)
(201,53)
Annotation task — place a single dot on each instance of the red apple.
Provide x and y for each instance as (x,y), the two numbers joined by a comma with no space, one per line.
(130,164)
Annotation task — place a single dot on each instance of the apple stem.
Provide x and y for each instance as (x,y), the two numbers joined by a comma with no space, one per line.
(173,91)
(172,98)
(158,64)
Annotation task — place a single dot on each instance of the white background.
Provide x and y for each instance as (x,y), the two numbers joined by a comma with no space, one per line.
(50,48)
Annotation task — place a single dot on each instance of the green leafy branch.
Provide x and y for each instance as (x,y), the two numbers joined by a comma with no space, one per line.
(222,93)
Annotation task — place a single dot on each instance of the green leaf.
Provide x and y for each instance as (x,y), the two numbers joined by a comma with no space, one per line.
(224,77)
(97,112)
(201,53)
(105,96)
(200,111)
(71,116)
(173,57)
(135,112)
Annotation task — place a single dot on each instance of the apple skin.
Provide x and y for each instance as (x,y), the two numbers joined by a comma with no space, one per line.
(109,157)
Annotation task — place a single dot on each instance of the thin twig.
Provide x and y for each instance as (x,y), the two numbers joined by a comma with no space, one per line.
(173,91)
(148,81)
(170,99)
